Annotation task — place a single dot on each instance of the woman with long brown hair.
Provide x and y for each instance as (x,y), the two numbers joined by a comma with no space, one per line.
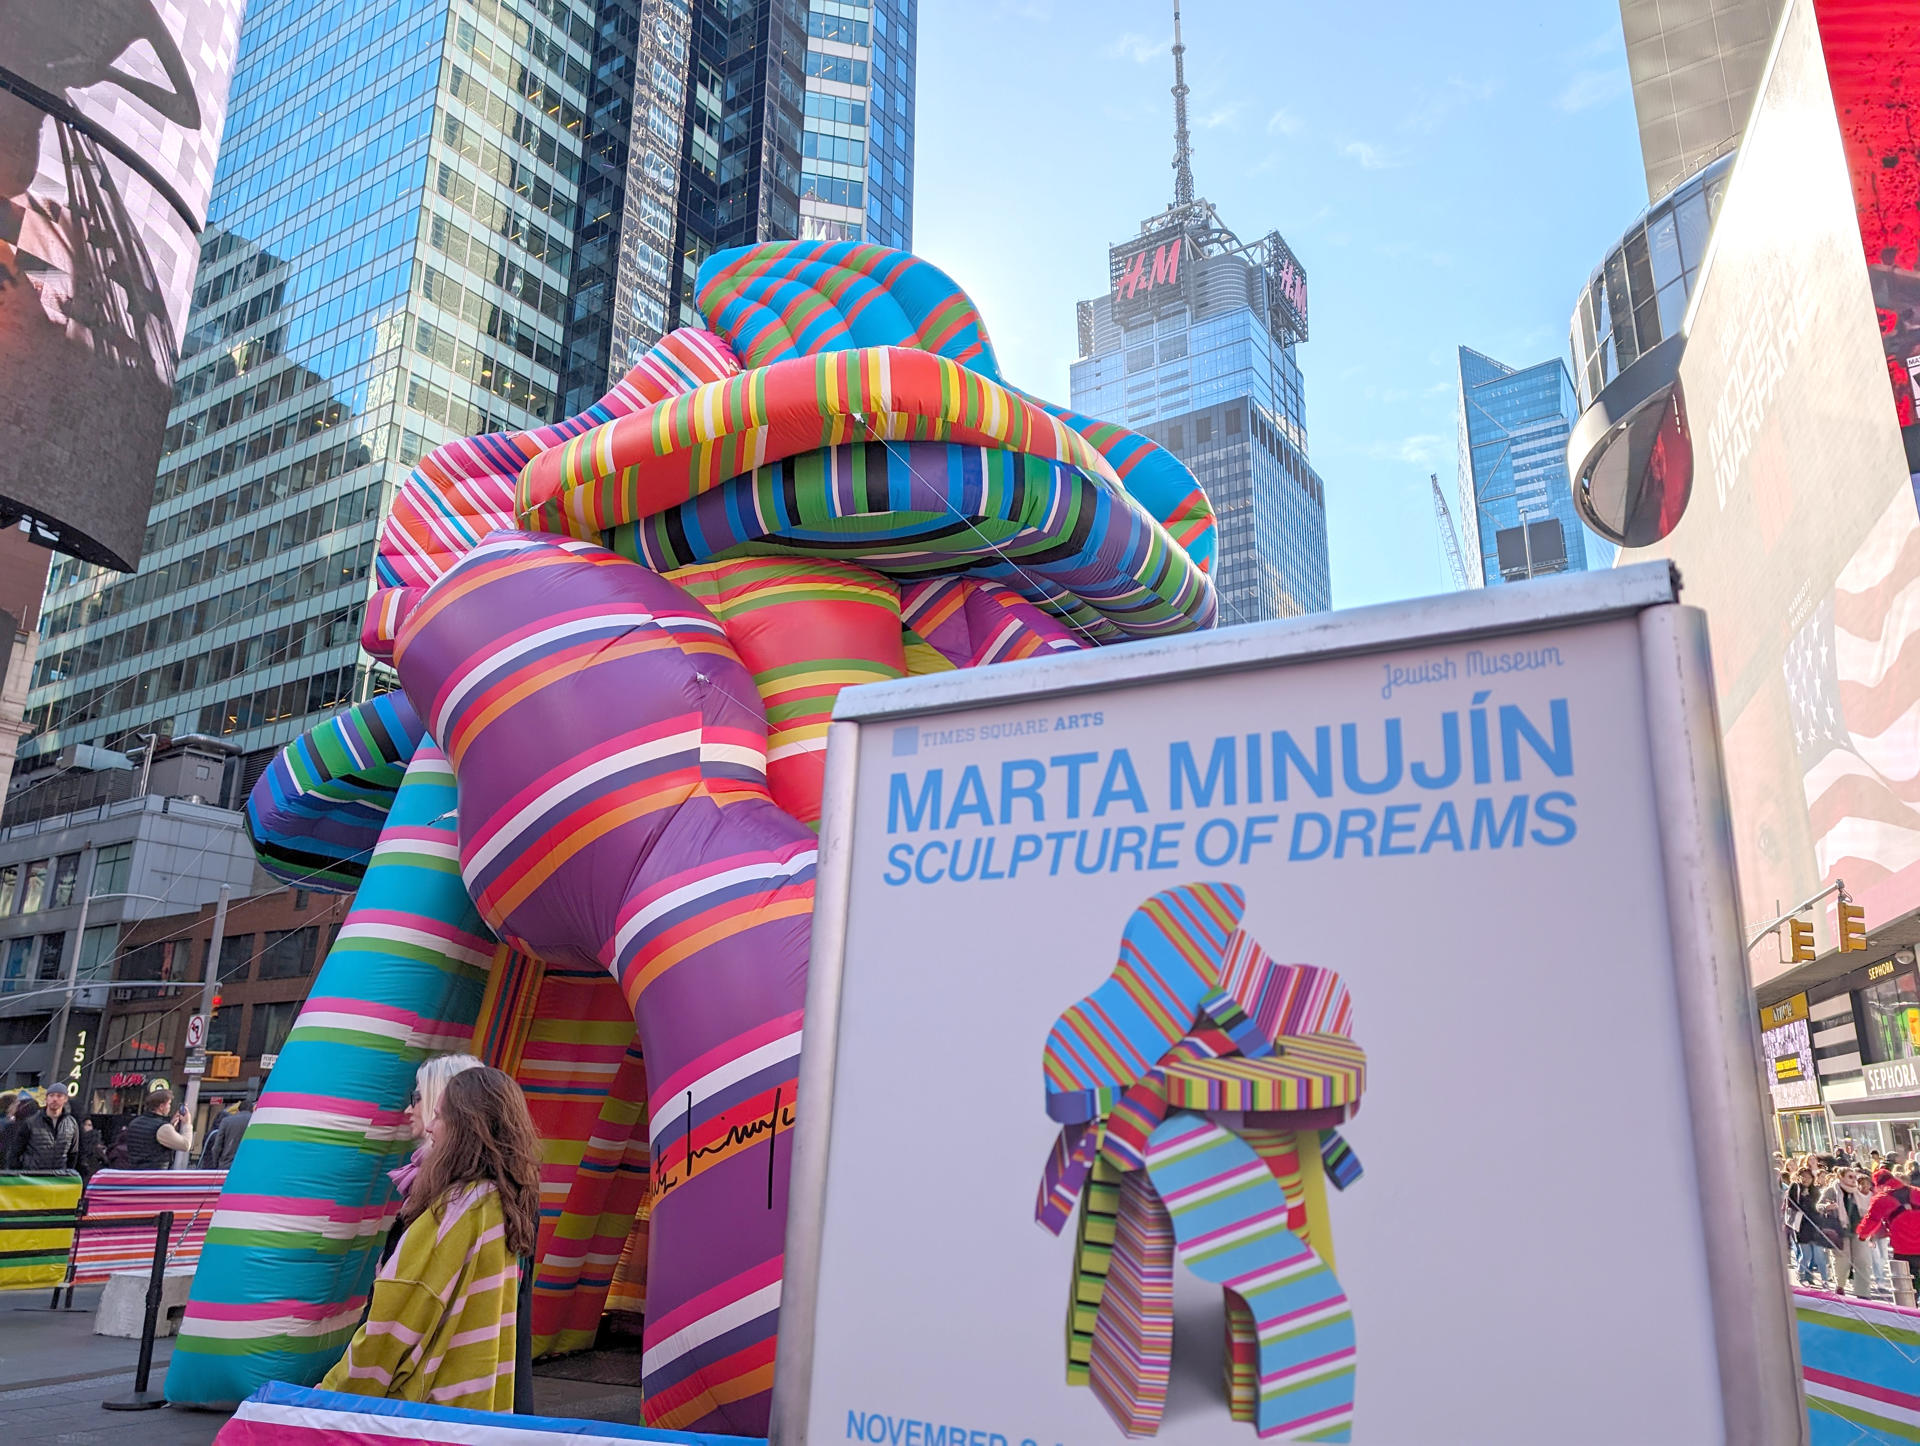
(441,1327)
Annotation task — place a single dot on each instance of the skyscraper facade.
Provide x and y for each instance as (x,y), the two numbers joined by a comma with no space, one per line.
(1515,500)
(1194,346)
(432,218)
(856,177)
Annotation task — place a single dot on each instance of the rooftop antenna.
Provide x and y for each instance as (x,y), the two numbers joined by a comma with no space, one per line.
(1182,141)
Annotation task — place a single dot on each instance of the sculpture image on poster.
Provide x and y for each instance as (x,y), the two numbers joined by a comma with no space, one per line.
(1198,1091)
(110,121)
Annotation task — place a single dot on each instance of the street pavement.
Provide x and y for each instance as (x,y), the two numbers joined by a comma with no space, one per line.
(55,1372)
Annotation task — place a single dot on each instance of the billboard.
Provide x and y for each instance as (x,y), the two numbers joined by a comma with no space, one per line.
(110,121)
(1801,538)
(1213,973)
(1147,274)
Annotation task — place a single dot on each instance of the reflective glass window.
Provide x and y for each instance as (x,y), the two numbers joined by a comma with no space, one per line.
(1663,247)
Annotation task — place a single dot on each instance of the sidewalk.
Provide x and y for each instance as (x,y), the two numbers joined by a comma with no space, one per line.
(55,1372)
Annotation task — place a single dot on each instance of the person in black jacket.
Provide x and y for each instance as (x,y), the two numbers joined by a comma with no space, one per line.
(224,1143)
(152,1137)
(1803,1223)
(48,1139)
(93,1151)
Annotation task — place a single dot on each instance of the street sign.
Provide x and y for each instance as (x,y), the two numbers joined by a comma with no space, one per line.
(1068,907)
(196,1066)
(196,1030)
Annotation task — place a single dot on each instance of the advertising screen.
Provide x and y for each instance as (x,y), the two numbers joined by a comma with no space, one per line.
(110,120)
(1801,538)
(1212,997)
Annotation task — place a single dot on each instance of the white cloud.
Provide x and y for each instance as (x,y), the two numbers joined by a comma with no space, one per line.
(1131,45)
(1220,115)
(1372,157)
(1284,122)
(1421,449)
(1592,87)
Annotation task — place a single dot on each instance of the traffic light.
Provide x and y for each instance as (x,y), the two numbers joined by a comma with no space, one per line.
(213,1011)
(1800,937)
(1853,926)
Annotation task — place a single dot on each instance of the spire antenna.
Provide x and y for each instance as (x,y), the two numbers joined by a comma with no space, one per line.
(1182,141)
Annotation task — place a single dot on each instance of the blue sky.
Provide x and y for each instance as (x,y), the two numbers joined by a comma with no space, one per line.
(1447,174)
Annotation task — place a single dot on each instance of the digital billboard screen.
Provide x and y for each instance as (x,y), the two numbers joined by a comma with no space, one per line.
(1801,538)
(110,120)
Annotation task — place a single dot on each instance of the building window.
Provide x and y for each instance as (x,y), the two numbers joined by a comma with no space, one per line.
(134,1042)
(34,894)
(1202,430)
(52,946)
(112,870)
(270,1026)
(236,957)
(288,953)
(66,872)
(162,962)
(9,888)
(96,953)
(18,951)
(300,899)
(1891,1010)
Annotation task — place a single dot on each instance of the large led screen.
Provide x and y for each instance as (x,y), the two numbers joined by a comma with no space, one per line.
(110,120)
(1801,538)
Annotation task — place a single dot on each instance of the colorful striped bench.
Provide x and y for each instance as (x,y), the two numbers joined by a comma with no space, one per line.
(115,1194)
(281,1415)
(1859,1359)
(36,1228)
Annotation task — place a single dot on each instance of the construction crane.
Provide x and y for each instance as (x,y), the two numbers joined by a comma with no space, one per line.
(1449,540)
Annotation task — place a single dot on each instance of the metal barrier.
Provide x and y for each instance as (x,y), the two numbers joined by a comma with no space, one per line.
(142,1398)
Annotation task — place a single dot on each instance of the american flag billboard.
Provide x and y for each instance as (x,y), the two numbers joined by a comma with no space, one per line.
(1802,537)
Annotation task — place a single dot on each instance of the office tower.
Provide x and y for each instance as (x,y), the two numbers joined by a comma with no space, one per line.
(1696,69)
(1194,346)
(429,221)
(856,179)
(1516,506)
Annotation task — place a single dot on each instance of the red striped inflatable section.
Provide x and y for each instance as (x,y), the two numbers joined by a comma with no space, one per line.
(114,1194)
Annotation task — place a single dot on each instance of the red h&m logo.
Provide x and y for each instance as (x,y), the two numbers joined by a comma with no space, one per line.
(1293,286)
(1141,276)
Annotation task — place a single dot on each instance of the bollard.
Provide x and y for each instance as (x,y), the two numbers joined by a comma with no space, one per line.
(1902,1284)
(143,1399)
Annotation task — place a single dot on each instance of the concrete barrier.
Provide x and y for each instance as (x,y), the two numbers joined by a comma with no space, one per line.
(123,1304)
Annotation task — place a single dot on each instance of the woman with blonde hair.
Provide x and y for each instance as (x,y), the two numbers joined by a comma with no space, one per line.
(429,1083)
(441,1327)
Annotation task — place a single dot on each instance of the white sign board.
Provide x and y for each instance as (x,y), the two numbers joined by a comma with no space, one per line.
(196,1030)
(1467,841)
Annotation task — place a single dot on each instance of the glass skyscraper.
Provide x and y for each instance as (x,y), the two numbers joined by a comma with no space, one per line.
(1515,499)
(433,218)
(856,179)
(1201,359)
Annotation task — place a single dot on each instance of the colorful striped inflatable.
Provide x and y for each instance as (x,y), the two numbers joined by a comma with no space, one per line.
(290,1252)
(36,1229)
(624,634)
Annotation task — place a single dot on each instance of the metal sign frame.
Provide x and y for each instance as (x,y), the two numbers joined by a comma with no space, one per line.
(1755,1342)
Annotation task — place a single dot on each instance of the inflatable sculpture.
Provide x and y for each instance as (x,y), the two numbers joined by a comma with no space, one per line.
(580,832)
(1198,1091)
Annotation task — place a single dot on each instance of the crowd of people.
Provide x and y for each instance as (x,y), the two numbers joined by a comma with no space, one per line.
(1848,1217)
(40,1135)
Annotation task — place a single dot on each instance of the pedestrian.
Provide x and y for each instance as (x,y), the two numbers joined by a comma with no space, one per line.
(1838,1222)
(442,1327)
(49,1139)
(8,1102)
(213,1128)
(1896,1213)
(429,1083)
(1803,1226)
(152,1137)
(1867,1258)
(223,1143)
(93,1151)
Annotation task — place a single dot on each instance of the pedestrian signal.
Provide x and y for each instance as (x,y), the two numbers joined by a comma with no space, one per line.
(1800,936)
(1853,926)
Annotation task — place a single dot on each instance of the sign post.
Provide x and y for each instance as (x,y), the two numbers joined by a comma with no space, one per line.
(1124,940)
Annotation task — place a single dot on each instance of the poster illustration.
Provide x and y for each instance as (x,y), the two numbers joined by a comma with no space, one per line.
(1227,1057)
